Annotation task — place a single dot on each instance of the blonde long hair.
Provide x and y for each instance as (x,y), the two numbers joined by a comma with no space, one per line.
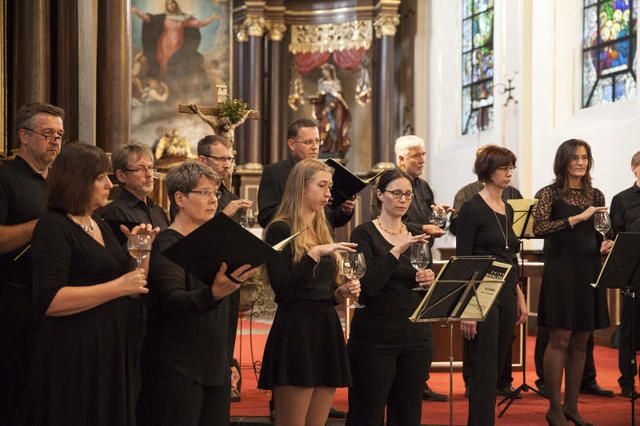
(291,210)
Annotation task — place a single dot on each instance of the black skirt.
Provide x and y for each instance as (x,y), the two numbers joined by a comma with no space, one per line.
(305,348)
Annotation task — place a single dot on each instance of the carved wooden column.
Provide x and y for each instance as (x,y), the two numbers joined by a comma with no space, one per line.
(383,133)
(114,74)
(276,103)
(66,89)
(239,85)
(254,24)
(32,57)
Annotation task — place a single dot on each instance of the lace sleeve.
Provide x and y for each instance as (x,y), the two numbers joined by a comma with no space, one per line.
(543,224)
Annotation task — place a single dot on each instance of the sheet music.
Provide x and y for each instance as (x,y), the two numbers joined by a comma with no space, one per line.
(487,292)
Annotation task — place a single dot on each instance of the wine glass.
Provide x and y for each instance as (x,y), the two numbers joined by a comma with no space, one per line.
(420,258)
(248,218)
(602,223)
(139,246)
(354,267)
(439,218)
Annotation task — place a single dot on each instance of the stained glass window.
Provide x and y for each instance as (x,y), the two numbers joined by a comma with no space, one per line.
(477,65)
(609,63)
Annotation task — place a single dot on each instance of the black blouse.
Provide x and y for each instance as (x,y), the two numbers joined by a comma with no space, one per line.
(303,281)
(386,293)
(187,328)
(481,232)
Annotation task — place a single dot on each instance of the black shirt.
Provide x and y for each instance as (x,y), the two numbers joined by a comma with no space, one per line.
(481,232)
(23,194)
(625,210)
(227,197)
(387,295)
(129,208)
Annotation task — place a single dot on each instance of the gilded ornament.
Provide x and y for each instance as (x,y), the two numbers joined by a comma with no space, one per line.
(276,30)
(331,37)
(386,24)
(254,25)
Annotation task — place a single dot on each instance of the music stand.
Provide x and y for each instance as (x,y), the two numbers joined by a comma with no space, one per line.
(523,228)
(621,269)
(465,289)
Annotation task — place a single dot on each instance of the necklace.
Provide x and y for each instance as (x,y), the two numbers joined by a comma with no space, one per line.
(402,227)
(86,228)
(505,233)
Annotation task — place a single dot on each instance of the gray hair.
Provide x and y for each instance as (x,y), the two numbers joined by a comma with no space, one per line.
(405,143)
(635,160)
(25,119)
(185,177)
(120,159)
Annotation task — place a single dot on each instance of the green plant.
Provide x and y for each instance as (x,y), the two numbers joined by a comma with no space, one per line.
(233,110)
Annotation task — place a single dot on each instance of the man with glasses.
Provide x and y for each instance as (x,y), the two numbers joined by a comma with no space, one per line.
(23,191)
(303,140)
(217,153)
(134,169)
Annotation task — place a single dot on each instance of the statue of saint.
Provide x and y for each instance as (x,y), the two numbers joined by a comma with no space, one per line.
(332,112)
(173,146)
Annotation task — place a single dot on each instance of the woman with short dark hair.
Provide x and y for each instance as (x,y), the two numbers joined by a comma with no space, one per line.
(185,367)
(485,228)
(390,356)
(85,366)
(569,306)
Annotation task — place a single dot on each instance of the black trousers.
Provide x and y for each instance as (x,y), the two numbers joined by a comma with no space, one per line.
(18,327)
(488,351)
(542,340)
(234,304)
(387,378)
(171,399)
(505,379)
(628,371)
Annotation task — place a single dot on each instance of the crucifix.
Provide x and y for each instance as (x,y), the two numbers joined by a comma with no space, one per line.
(220,126)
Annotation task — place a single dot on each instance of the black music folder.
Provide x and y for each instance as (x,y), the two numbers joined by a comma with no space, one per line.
(621,269)
(219,240)
(345,183)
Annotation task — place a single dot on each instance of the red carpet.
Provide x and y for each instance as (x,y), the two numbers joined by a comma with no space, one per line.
(530,410)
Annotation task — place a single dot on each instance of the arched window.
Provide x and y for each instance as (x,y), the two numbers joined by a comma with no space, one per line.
(477,65)
(609,64)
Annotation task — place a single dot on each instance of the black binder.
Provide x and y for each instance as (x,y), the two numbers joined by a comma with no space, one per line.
(345,183)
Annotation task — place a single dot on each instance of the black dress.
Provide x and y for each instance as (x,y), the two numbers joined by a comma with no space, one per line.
(390,356)
(85,369)
(572,262)
(305,346)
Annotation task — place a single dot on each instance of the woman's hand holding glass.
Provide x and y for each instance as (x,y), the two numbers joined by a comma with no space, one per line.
(602,223)
(420,258)
(425,278)
(407,241)
(133,283)
(354,267)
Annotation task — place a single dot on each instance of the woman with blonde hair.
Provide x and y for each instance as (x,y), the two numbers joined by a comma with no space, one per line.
(305,357)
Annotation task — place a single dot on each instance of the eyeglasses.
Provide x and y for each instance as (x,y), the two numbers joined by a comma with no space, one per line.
(221,159)
(48,137)
(143,169)
(507,168)
(397,194)
(309,142)
(206,193)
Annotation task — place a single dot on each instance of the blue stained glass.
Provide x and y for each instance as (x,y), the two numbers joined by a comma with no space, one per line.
(609,41)
(477,65)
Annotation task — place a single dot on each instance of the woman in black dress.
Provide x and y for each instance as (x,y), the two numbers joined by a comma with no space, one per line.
(390,356)
(485,228)
(305,357)
(569,305)
(85,367)
(185,367)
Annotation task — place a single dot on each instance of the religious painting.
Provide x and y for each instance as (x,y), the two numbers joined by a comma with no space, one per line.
(609,63)
(181,52)
(477,65)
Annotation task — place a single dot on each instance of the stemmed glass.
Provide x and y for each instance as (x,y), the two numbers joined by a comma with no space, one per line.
(139,246)
(248,218)
(439,218)
(354,267)
(602,223)
(420,258)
